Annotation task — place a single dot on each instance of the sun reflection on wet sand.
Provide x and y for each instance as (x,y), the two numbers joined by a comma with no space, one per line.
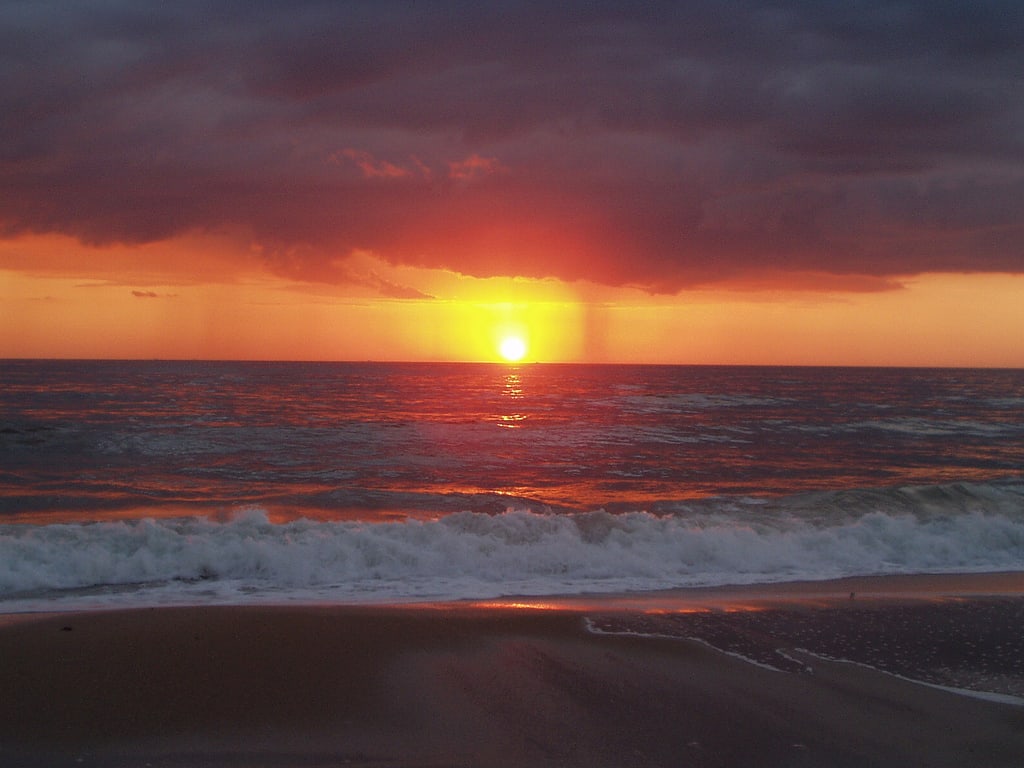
(862,592)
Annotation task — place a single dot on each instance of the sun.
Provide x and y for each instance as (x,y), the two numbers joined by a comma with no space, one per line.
(512,348)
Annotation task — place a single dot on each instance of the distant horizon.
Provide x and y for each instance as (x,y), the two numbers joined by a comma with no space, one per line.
(503,364)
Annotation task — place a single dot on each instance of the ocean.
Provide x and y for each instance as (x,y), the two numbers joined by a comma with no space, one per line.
(148,483)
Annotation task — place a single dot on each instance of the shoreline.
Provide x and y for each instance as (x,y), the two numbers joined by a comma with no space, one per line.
(867,589)
(477,684)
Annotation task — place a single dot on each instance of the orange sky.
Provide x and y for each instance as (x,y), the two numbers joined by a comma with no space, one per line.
(782,183)
(59,298)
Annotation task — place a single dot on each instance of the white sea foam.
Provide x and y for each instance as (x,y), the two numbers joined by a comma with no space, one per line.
(473,555)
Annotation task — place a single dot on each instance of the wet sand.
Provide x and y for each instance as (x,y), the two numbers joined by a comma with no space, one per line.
(508,686)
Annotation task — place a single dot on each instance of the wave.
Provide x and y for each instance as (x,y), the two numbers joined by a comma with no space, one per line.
(249,558)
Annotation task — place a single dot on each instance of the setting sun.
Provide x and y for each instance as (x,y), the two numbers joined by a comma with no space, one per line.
(512,348)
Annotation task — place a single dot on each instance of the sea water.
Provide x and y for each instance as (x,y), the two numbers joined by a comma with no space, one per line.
(144,483)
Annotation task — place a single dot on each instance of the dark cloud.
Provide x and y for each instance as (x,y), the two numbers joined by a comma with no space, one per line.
(653,144)
(144,294)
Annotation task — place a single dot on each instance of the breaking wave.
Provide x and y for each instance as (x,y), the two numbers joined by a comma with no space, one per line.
(249,558)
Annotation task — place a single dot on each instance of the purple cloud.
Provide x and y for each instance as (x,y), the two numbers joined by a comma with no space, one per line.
(659,144)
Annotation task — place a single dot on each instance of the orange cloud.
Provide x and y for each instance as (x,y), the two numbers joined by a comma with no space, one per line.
(474,167)
(371,167)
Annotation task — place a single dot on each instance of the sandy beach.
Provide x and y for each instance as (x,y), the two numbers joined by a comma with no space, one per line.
(504,685)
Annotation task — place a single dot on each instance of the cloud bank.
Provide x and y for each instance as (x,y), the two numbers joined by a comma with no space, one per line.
(660,145)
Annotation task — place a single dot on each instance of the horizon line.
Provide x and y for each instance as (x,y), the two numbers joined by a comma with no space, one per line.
(509,365)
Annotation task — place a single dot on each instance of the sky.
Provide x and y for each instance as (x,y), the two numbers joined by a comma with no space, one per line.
(669,182)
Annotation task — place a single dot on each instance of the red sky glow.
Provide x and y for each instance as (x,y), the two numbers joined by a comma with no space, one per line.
(700,182)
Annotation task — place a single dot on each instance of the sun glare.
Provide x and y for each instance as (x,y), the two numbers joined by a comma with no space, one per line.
(512,348)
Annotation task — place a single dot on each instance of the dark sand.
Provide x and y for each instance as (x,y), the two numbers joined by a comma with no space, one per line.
(502,686)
